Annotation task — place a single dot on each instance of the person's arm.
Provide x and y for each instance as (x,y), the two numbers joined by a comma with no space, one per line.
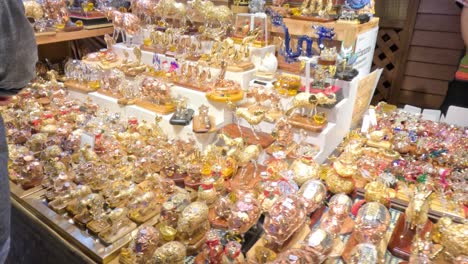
(18,49)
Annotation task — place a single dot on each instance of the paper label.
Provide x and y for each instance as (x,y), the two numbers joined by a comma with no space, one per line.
(87,139)
(373,117)
(365,124)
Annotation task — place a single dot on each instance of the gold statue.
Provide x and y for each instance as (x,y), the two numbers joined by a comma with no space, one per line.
(453,237)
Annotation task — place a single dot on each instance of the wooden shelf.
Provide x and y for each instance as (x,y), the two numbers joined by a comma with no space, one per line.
(345,31)
(66,36)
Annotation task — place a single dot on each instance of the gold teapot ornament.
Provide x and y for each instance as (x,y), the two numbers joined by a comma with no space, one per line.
(170,253)
(453,237)
(305,168)
(193,225)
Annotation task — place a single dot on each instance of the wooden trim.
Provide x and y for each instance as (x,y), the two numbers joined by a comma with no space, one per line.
(419,99)
(446,7)
(444,23)
(405,40)
(66,36)
(430,71)
(434,55)
(391,23)
(444,40)
(424,85)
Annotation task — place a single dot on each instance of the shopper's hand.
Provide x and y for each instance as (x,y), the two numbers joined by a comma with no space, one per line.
(5,100)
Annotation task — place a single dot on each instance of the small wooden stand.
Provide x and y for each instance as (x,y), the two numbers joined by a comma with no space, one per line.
(221,97)
(107,239)
(120,99)
(292,242)
(79,87)
(215,221)
(198,128)
(352,242)
(160,109)
(248,179)
(81,220)
(232,131)
(315,18)
(306,123)
(346,228)
(97,226)
(402,237)
(153,49)
(316,216)
(241,67)
(293,67)
(151,212)
(191,86)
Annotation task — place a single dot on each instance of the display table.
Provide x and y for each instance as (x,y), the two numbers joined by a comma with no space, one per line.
(74,35)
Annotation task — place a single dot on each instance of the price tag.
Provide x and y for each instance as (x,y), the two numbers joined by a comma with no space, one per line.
(87,139)
(365,124)
(372,116)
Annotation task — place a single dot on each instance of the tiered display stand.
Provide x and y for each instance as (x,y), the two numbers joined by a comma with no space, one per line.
(340,117)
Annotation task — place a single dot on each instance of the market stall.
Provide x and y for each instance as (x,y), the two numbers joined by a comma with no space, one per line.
(191,142)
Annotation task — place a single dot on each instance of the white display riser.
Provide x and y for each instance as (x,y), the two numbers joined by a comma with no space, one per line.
(242,77)
(110,104)
(339,121)
(334,132)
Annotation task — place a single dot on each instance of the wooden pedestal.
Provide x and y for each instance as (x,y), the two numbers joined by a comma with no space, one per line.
(120,100)
(139,219)
(264,139)
(160,109)
(153,49)
(293,67)
(402,237)
(306,123)
(292,242)
(215,221)
(197,128)
(245,178)
(108,239)
(223,98)
(191,86)
(79,87)
(315,18)
(240,67)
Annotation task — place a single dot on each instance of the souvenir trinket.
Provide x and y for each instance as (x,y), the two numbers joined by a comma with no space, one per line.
(120,225)
(453,238)
(193,225)
(143,207)
(364,254)
(337,220)
(285,217)
(305,169)
(415,218)
(371,225)
(225,90)
(312,193)
(203,122)
(141,247)
(157,96)
(170,253)
(319,244)
(182,115)
(245,213)
(233,253)
(133,68)
(309,118)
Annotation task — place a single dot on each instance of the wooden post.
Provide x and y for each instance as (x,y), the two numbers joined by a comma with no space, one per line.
(406,37)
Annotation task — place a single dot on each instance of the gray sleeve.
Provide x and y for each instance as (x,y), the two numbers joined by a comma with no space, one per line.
(18,49)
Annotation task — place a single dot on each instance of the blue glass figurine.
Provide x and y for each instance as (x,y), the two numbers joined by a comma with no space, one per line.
(324,33)
(288,54)
(357,4)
